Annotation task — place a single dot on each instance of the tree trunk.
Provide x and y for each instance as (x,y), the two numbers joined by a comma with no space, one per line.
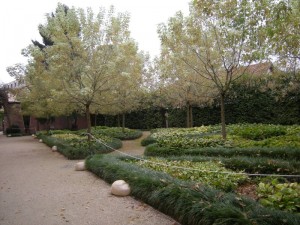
(118,121)
(188,115)
(167,119)
(191,115)
(88,120)
(123,122)
(223,124)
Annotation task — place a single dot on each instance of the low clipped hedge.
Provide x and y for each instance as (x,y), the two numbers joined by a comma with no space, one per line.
(148,140)
(250,164)
(276,153)
(115,132)
(79,151)
(187,202)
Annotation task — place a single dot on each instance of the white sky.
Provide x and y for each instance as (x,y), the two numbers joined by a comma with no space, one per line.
(19,20)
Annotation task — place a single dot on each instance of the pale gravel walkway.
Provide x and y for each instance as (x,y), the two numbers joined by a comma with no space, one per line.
(38,187)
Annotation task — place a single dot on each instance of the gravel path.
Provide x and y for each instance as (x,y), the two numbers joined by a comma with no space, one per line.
(38,186)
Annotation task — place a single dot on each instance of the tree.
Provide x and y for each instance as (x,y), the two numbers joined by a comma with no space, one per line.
(282,31)
(80,56)
(127,91)
(218,41)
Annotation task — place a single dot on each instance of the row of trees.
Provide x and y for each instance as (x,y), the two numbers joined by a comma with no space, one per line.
(89,63)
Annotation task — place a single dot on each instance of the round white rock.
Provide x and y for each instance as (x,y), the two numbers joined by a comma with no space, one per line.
(54,148)
(80,166)
(40,140)
(120,188)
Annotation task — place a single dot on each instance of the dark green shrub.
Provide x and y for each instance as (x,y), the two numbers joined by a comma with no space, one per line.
(147,141)
(250,164)
(187,202)
(115,132)
(280,153)
(155,150)
(257,131)
(80,149)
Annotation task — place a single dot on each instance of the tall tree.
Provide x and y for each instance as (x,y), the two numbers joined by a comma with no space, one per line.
(283,33)
(126,94)
(218,41)
(81,56)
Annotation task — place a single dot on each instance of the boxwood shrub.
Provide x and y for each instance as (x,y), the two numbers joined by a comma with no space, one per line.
(187,202)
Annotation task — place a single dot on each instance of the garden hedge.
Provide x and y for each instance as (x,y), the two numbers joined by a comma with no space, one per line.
(187,202)
(76,152)
(274,152)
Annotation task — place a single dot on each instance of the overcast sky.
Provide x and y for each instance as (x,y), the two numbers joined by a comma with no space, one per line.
(19,20)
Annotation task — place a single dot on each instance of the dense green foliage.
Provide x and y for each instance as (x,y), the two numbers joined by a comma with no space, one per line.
(187,202)
(117,132)
(220,178)
(282,153)
(239,135)
(284,196)
(75,146)
(79,147)
(269,100)
(252,148)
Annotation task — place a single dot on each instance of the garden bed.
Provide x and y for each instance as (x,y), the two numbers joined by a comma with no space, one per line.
(188,202)
(75,144)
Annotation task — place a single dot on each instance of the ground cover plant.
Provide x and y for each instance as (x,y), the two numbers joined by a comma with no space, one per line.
(188,202)
(115,132)
(118,132)
(278,195)
(75,146)
(252,148)
(239,135)
(221,178)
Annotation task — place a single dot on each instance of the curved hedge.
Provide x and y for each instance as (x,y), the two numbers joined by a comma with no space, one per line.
(80,151)
(187,202)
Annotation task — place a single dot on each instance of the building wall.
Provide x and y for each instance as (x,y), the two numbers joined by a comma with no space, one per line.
(58,123)
(13,116)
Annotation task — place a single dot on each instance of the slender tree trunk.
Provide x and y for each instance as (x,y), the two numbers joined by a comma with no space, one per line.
(223,124)
(123,122)
(191,115)
(119,121)
(88,120)
(188,115)
(167,119)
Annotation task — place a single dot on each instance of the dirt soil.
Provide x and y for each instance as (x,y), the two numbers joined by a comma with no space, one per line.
(38,186)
